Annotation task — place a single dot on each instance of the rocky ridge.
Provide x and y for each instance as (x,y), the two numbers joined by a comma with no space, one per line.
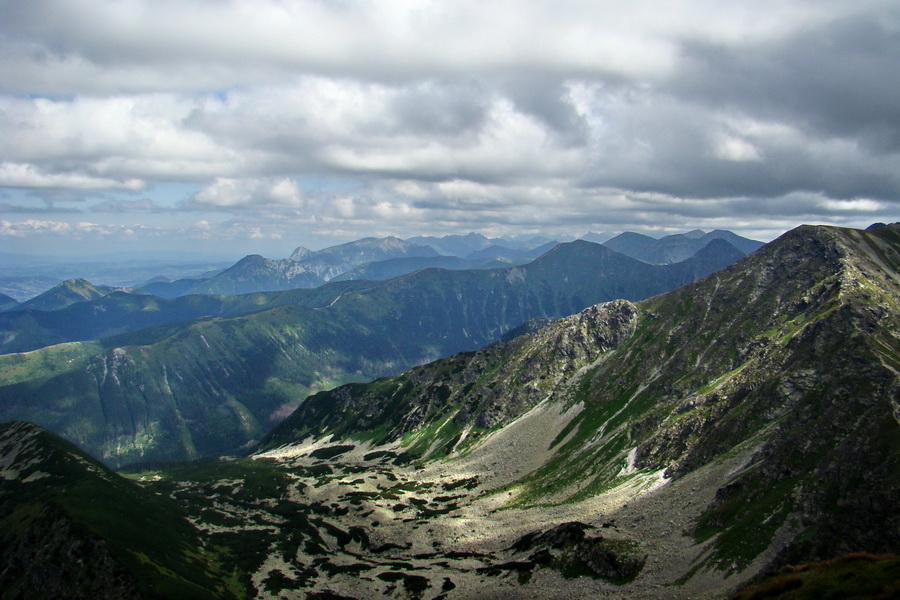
(71,528)
(787,362)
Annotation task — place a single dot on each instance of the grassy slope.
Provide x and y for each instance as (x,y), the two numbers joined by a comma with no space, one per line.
(800,352)
(144,533)
(214,385)
(849,577)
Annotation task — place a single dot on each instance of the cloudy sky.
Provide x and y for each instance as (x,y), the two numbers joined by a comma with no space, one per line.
(243,126)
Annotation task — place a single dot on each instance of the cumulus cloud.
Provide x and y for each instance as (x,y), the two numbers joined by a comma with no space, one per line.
(243,193)
(402,117)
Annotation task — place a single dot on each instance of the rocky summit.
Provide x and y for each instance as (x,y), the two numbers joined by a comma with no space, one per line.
(683,446)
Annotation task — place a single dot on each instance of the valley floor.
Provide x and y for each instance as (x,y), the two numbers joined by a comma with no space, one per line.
(348,522)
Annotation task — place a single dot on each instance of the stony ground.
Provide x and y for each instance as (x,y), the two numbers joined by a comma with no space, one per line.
(353,523)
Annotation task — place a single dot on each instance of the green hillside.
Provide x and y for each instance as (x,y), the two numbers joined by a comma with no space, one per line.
(215,385)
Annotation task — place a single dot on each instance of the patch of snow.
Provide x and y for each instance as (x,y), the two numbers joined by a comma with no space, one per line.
(630,467)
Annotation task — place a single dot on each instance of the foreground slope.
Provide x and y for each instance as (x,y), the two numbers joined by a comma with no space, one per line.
(215,385)
(70,528)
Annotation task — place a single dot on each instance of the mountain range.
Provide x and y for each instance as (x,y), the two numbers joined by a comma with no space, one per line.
(677,247)
(304,269)
(382,258)
(216,382)
(680,446)
(23,278)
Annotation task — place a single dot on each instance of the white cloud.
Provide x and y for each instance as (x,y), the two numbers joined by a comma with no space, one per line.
(78,229)
(736,149)
(240,193)
(128,138)
(861,205)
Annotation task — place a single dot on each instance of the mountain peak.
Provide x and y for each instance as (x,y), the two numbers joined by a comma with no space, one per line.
(252,259)
(717,247)
(300,253)
(68,292)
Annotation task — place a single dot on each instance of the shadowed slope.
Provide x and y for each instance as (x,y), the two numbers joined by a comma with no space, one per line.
(72,528)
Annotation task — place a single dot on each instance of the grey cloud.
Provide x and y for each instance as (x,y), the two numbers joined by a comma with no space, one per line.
(463,117)
(451,108)
(240,42)
(838,80)
(548,100)
(660,143)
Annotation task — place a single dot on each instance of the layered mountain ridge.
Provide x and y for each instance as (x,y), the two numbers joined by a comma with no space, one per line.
(214,384)
(381,258)
(678,446)
(676,247)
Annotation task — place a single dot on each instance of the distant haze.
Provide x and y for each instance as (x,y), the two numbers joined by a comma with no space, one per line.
(242,126)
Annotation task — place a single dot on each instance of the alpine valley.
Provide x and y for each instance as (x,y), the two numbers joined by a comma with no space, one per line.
(132,377)
(584,425)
